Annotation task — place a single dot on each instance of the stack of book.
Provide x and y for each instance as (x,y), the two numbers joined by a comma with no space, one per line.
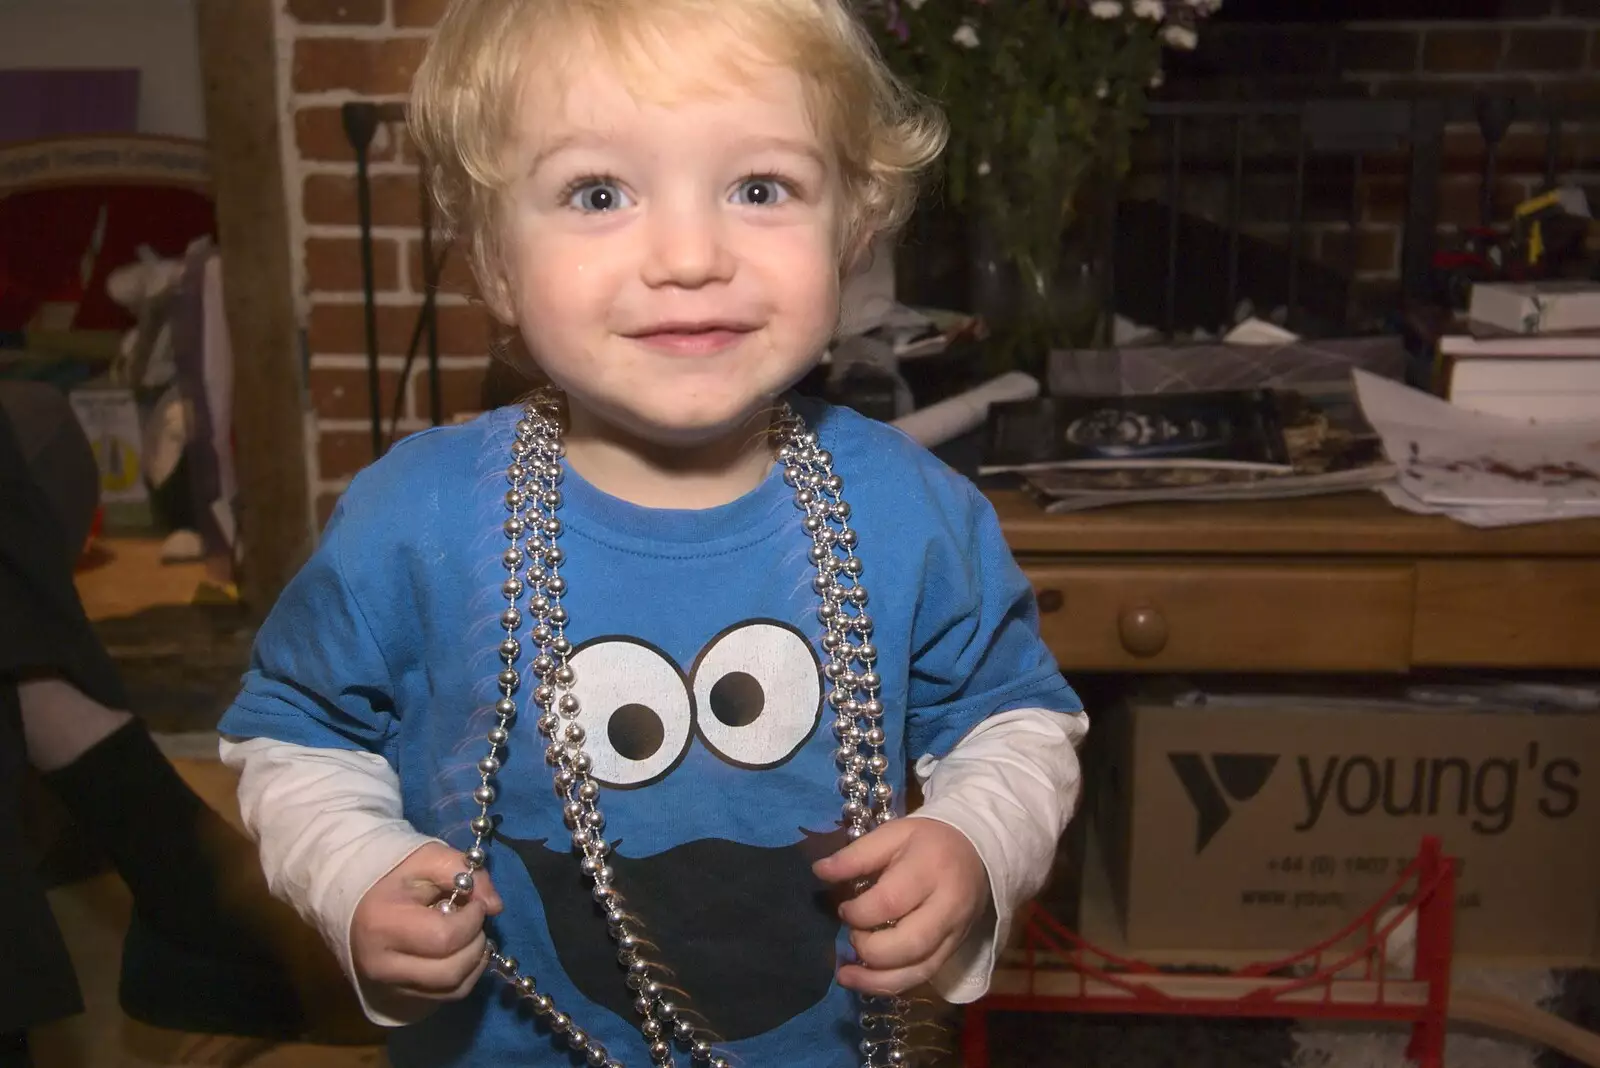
(1077,452)
(1529,351)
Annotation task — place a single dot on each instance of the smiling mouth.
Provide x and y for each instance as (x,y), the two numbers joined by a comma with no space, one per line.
(708,907)
(692,339)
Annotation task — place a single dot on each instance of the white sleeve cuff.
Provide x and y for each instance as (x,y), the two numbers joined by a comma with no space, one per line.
(329,826)
(1010,786)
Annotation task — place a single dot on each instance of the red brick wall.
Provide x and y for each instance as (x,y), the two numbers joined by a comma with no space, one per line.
(1546,47)
(366,49)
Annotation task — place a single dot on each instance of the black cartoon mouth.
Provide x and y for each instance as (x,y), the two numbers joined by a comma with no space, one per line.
(709,908)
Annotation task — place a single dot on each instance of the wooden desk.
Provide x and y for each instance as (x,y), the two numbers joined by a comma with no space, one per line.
(1328,584)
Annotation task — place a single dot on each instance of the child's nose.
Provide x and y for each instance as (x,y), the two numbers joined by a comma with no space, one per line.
(687,249)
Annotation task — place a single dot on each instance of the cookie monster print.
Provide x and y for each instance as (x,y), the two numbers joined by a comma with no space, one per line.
(752,699)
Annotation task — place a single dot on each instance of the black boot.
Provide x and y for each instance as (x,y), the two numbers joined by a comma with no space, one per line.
(199,952)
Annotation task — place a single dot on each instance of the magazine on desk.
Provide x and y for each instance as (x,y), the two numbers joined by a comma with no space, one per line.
(1319,443)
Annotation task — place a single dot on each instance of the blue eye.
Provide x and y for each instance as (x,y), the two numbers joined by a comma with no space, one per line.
(761,191)
(597,195)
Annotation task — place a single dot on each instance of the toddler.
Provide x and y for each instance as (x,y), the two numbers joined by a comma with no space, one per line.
(579,737)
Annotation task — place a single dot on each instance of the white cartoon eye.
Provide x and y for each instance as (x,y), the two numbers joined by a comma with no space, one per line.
(633,705)
(757,694)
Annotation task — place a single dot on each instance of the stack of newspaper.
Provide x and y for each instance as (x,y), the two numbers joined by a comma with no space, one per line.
(1480,469)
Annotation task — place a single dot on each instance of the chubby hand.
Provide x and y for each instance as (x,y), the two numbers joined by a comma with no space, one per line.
(930,883)
(410,956)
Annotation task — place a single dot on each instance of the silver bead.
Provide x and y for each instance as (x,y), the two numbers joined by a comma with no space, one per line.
(511,619)
(513,527)
(505,708)
(597,1056)
(559,1022)
(848,538)
(701,1050)
(720,1062)
(489,765)
(557,585)
(548,724)
(642,1005)
(525,986)
(558,615)
(572,812)
(463,882)
(660,1051)
(577,1038)
(476,857)
(882,792)
(484,795)
(540,633)
(871,681)
(877,763)
(560,646)
(481,825)
(554,556)
(541,1004)
(564,675)
(875,736)
(511,559)
(872,709)
(574,733)
(506,965)
(588,790)
(568,704)
(651,1028)
(840,510)
(498,736)
(682,1030)
(511,589)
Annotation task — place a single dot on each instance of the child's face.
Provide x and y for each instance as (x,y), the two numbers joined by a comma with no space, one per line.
(672,267)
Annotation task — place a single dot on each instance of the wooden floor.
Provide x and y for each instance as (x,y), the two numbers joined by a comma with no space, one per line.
(94,914)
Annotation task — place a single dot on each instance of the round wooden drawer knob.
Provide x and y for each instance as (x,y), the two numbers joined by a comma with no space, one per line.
(1051,601)
(1143,630)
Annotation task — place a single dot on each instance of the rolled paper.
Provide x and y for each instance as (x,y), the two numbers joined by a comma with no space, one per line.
(948,419)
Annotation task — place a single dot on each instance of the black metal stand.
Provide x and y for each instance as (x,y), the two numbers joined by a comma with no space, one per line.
(361,122)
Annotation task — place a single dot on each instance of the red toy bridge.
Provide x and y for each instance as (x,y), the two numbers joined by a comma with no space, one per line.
(1064,973)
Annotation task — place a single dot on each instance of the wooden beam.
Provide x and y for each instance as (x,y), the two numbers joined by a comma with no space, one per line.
(239,64)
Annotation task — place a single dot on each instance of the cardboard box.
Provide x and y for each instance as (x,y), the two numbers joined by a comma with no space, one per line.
(1270,825)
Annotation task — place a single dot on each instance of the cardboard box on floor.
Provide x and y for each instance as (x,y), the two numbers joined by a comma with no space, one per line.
(1269,826)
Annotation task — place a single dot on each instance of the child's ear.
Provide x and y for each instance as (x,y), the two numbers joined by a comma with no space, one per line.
(496,290)
(857,255)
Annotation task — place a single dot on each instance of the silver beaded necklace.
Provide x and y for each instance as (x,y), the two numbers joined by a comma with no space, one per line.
(533,563)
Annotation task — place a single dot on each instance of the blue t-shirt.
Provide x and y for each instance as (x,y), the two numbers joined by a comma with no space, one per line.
(697,657)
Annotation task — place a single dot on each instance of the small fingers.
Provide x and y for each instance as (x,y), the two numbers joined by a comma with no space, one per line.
(435,935)
(888,981)
(912,939)
(442,980)
(894,896)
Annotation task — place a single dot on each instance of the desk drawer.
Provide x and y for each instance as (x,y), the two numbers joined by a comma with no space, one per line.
(1509,613)
(1226,617)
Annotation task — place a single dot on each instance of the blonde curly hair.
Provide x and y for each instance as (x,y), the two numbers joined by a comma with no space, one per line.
(465,96)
